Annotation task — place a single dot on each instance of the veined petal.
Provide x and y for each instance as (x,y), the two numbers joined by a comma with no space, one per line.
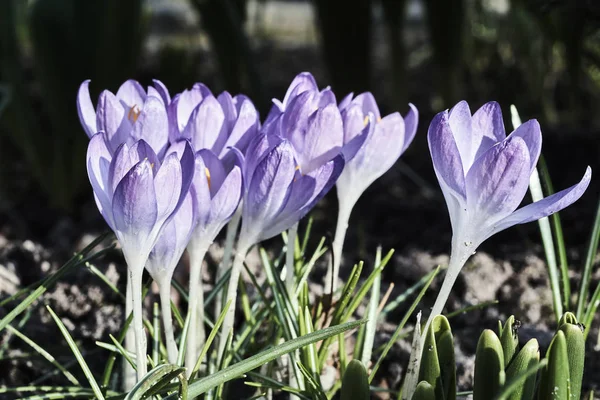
(258,148)
(303,82)
(167,184)
(498,181)
(368,104)
(110,116)
(126,157)
(187,102)
(245,126)
(445,155)
(132,93)
(135,210)
(459,120)
(488,127)
(547,206)
(152,125)
(322,141)
(355,121)
(411,121)
(296,115)
(98,164)
(345,101)
(85,109)
(204,126)
(214,170)
(201,189)
(531,133)
(353,146)
(227,199)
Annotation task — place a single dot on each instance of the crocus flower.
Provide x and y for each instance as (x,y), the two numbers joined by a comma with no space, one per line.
(372,145)
(484,176)
(218,191)
(137,194)
(168,250)
(214,123)
(277,195)
(130,115)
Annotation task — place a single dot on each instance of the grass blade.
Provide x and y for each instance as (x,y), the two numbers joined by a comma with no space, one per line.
(86,370)
(587,270)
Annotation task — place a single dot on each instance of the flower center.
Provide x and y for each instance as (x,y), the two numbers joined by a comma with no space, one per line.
(134,113)
(207,172)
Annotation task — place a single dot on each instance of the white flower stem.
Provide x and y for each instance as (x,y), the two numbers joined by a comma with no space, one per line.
(345,209)
(232,287)
(195,339)
(232,228)
(135,275)
(164,288)
(128,371)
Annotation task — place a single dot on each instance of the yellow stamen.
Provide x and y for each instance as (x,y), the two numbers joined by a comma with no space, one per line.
(207,172)
(134,113)
(297,167)
(366,120)
(379,119)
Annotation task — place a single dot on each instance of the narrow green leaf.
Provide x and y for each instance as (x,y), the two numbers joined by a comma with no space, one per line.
(113,356)
(584,309)
(201,386)
(430,371)
(445,349)
(130,357)
(86,370)
(158,376)
(211,337)
(510,339)
(522,382)
(489,367)
(355,383)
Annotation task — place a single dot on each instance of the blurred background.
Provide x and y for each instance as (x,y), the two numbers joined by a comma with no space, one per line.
(541,55)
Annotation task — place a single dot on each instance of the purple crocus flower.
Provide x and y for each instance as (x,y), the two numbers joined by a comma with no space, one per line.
(218,190)
(484,176)
(130,115)
(214,123)
(372,144)
(137,195)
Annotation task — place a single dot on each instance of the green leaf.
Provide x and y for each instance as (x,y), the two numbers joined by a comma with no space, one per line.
(203,385)
(86,370)
(568,318)
(355,384)
(489,367)
(424,391)
(554,383)
(513,385)
(586,310)
(522,384)
(445,348)
(430,371)
(157,378)
(509,339)
(576,354)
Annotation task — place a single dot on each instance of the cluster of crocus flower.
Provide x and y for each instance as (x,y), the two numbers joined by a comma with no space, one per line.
(168,173)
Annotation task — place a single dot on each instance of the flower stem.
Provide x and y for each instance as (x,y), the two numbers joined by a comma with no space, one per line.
(164,288)
(345,209)
(128,371)
(195,339)
(135,275)
(232,228)
(227,326)
(290,269)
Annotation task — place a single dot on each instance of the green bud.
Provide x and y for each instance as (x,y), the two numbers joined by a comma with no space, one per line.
(576,354)
(554,383)
(424,391)
(489,367)
(438,366)
(568,318)
(355,384)
(528,357)
(510,339)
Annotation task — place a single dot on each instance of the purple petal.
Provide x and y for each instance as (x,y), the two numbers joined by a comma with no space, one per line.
(498,180)
(303,82)
(187,170)
(345,101)
(127,157)
(98,164)
(201,189)
(227,199)
(132,93)
(459,120)
(296,115)
(547,206)
(215,171)
(488,127)
(85,109)
(111,118)
(204,126)
(258,148)
(352,147)
(411,121)
(531,133)
(187,102)
(368,104)
(135,209)
(322,141)
(162,90)
(326,97)
(446,158)
(245,127)
(355,121)
(152,125)
(168,187)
